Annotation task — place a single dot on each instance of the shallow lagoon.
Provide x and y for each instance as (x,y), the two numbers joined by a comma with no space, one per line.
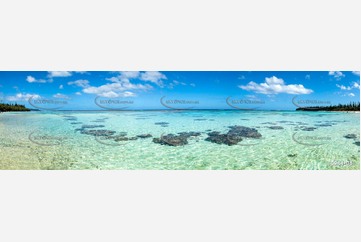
(290,140)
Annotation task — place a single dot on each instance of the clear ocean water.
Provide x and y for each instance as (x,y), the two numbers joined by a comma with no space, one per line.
(290,140)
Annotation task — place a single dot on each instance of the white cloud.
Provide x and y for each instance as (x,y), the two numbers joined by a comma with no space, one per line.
(52,74)
(348,88)
(130,74)
(78,93)
(80,83)
(351,94)
(274,85)
(128,94)
(176,83)
(61,87)
(308,77)
(192,85)
(356,85)
(357,73)
(22,97)
(31,79)
(116,89)
(155,77)
(59,95)
(242,77)
(124,76)
(342,87)
(338,75)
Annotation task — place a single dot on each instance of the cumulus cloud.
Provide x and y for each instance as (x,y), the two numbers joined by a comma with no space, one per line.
(155,77)
(62,96)
(116,89)
(121,84)
(338,75)
(124,76)
(351,94)
(52,74)
(348,88)
(274,85)
(357,73)
(78,93)
(31,79)
(22,97)
(80,83)
(61,87)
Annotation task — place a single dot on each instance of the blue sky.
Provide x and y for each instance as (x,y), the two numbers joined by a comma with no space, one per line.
(200,89)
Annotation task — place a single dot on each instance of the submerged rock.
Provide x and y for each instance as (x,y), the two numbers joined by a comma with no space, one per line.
(308,128)
(123,138)
(233,136)
(189,134)
(98,132)
(161,123)
(216,137)
(171,140)
(71,119)
(350,136)
(144,136)
(323,125)
(76,123)
(275,127)
(244,132)
(269,123)
(357,143)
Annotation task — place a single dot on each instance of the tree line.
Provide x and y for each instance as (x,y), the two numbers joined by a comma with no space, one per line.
(352,106)
(5,107)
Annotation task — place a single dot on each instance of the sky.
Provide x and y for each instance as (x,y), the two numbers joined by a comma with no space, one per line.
(97,90)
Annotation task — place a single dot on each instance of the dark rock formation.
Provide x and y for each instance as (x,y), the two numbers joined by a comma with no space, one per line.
(189,134)
(233,136)
(275,127)
(161,123)
(216,137)
(350,136)
(244,132)
(308,128)
(171,140)
(97,132)
(144,136)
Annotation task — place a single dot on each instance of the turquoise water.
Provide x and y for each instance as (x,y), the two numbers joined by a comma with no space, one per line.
(304,140)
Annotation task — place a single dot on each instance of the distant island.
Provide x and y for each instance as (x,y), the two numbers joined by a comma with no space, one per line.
(4,107)
(340,107)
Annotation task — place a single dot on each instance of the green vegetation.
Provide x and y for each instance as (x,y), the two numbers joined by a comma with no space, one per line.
(353,106)
(12,108)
